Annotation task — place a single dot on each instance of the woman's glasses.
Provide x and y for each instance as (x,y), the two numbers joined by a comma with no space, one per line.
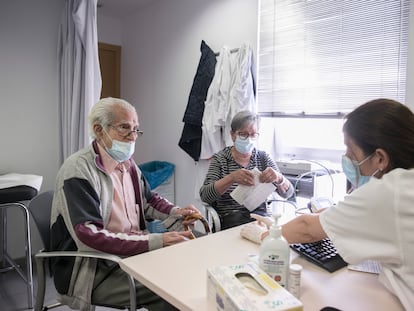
(245,135)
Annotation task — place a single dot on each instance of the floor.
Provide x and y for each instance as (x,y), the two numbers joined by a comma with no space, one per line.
(13,293)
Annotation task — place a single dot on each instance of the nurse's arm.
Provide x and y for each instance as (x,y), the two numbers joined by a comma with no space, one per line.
(303,229)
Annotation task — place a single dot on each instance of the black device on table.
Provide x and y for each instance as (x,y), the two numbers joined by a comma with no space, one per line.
(322,253)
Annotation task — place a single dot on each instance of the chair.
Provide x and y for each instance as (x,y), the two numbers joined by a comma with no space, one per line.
(212,218)
(12,197)
(40,209)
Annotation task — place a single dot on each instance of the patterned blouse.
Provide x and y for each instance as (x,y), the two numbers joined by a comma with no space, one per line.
(223,164)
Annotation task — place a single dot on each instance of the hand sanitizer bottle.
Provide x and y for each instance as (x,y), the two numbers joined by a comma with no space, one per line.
(274,256)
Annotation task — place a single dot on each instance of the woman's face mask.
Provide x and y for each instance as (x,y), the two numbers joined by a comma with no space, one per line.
(244,145)
(353,173)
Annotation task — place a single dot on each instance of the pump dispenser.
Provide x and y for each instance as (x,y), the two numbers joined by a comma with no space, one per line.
(274,256)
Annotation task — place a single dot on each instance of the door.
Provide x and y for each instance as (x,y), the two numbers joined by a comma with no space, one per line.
(110,64)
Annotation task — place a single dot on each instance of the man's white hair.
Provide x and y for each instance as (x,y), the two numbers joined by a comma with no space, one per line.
(103,112)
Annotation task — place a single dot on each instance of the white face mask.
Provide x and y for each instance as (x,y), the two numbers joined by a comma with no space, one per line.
(244,146)
(120,151)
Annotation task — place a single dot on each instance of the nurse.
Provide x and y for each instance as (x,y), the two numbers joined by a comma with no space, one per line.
(375,221)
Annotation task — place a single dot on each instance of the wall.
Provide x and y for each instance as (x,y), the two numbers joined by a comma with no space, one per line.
(109,29)
(160,54)
(29,87)
(160,49)
(29,97)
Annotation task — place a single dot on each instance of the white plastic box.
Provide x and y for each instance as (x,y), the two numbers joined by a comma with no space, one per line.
(247,287)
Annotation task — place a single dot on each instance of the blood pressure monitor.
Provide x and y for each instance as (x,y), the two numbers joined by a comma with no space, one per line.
(320,203)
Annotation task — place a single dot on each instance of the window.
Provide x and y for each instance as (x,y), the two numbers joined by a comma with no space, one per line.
(322,58)
(296,138)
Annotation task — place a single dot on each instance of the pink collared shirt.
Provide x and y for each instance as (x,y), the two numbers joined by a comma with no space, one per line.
(124,215)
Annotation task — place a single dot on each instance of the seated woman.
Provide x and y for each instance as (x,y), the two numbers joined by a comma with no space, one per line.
(232,166)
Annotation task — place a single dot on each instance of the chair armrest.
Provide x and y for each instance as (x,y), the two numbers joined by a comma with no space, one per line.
(212,218)
(44,254)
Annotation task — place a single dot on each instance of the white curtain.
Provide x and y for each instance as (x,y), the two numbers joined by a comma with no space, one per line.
(79,73)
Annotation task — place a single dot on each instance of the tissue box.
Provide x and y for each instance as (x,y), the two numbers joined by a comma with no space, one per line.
(247,287)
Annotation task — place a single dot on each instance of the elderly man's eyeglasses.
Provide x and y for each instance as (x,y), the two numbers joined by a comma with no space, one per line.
(244,135)
(125,130)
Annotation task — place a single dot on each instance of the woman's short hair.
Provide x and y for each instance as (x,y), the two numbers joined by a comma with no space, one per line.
(103,112)
(387,124)
(243,118)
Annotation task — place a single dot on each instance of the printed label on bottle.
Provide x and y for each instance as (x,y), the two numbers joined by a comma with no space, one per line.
(276,267)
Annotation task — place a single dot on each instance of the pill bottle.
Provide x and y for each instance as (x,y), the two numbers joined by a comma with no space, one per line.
(294,279)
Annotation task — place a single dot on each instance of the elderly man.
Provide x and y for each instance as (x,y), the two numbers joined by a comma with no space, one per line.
(101,202)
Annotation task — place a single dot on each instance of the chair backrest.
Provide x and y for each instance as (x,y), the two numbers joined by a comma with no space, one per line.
(40,208)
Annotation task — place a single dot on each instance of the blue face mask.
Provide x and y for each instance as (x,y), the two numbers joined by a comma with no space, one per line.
(352,172)
(120,151)
(243,145)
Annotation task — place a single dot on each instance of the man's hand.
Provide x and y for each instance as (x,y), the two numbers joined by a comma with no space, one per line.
(187,211)
(171,238)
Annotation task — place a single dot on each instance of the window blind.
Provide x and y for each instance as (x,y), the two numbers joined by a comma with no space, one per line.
(325,57)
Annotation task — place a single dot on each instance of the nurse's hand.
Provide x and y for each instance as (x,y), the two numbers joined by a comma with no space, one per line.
(268,221)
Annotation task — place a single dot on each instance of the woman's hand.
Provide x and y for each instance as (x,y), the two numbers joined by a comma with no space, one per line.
(269,175)
(243,177)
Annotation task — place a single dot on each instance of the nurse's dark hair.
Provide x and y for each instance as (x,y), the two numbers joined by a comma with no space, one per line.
(387,124)
(243,118)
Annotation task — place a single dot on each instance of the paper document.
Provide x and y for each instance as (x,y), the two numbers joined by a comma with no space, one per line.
(252,196)
(369,266)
